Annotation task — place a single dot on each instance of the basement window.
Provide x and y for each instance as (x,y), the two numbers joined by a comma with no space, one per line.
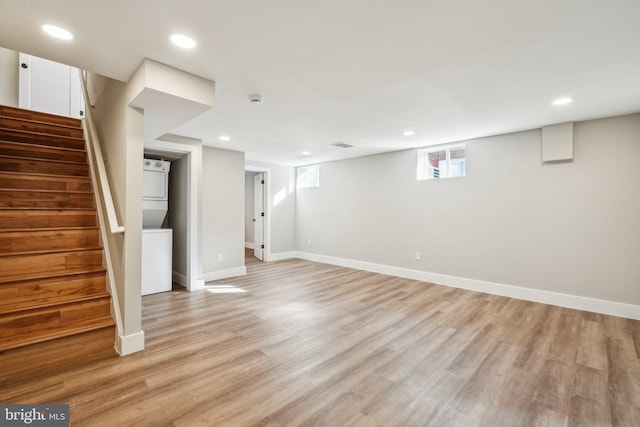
(308,176)
(444,161)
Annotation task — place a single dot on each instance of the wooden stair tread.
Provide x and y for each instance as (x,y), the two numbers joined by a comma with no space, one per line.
(26,190)
(49,199)
(6,111)
(10,208)
(37,135)
(51,264)
(46,218)
(63,228)
(50,251)
(37,146)
(42,152)
(43,166)
(34,175)
(51,302)
(39,126)
(40,181)
(79,270)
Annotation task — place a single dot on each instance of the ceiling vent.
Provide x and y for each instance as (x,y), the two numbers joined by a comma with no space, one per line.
(342,145)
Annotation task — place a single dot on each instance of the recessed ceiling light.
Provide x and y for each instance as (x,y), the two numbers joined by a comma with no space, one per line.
(562,101)
(305,153)
(183,41)
(57,32)
(224,138)
(409,132)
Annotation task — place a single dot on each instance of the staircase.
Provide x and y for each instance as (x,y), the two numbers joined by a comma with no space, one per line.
(52,282)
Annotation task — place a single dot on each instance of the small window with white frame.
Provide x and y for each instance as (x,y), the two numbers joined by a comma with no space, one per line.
(308,176)
(443,161)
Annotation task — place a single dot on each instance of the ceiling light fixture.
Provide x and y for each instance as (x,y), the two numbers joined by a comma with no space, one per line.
(305,153)
(57,32)
(183,41)
(224,138)
(409,133)
(562,101)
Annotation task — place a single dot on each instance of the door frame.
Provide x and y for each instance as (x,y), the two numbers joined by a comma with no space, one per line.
(258,216)
(193,153)
(266,254)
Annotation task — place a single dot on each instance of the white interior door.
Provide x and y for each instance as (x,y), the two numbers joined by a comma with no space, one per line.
(49,87)
(258,215)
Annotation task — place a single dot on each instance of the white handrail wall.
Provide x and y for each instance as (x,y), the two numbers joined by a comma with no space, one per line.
(104,200)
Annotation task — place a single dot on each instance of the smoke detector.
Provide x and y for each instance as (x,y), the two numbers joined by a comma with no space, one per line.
(256,99)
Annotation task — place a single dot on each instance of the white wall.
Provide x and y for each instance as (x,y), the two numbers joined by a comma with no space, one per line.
(249,204)
(223,212)
(120,129)
(9,67)
(570,228)
(178,216)
(283,208)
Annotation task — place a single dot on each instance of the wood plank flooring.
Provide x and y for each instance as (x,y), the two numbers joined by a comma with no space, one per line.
(310,344)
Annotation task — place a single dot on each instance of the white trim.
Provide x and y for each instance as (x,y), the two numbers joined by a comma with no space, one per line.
(613,308)
(225,274)
(180,279)
(193,150)
(127,344)
(284,255)
(249,245)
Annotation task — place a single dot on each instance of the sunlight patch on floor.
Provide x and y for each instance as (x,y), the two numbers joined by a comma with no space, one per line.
(223,289)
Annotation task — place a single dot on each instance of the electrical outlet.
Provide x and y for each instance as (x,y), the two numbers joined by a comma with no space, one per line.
(418,256)
(220,257)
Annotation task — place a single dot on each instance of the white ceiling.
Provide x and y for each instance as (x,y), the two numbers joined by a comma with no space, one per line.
(358,71)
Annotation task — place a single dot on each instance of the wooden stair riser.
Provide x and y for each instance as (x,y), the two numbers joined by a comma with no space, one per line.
(37,116)
(19,181)
(43,152)
(40,324)
(19,164)
(23,241)
(22,218)
(24,137)
(45,199)
(22,295)
(52,357)
(23,267)
(40,127)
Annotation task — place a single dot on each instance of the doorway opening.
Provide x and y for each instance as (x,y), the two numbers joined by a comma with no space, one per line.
(183,209)
(257,214)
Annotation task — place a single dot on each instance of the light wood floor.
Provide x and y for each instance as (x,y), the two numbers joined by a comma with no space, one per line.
(312,344)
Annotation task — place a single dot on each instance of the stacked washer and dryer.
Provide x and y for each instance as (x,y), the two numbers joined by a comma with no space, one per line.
(157,242)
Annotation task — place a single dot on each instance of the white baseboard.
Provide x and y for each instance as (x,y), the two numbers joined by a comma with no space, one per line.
(528,294)
(283,255)
(180,279)
(127,344)
(249,245)
(225,274)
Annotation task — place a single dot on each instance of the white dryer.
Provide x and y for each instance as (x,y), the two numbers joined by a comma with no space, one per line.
(157,242)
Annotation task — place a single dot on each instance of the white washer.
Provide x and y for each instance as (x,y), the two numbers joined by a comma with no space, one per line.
(157,243)
(156,260)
